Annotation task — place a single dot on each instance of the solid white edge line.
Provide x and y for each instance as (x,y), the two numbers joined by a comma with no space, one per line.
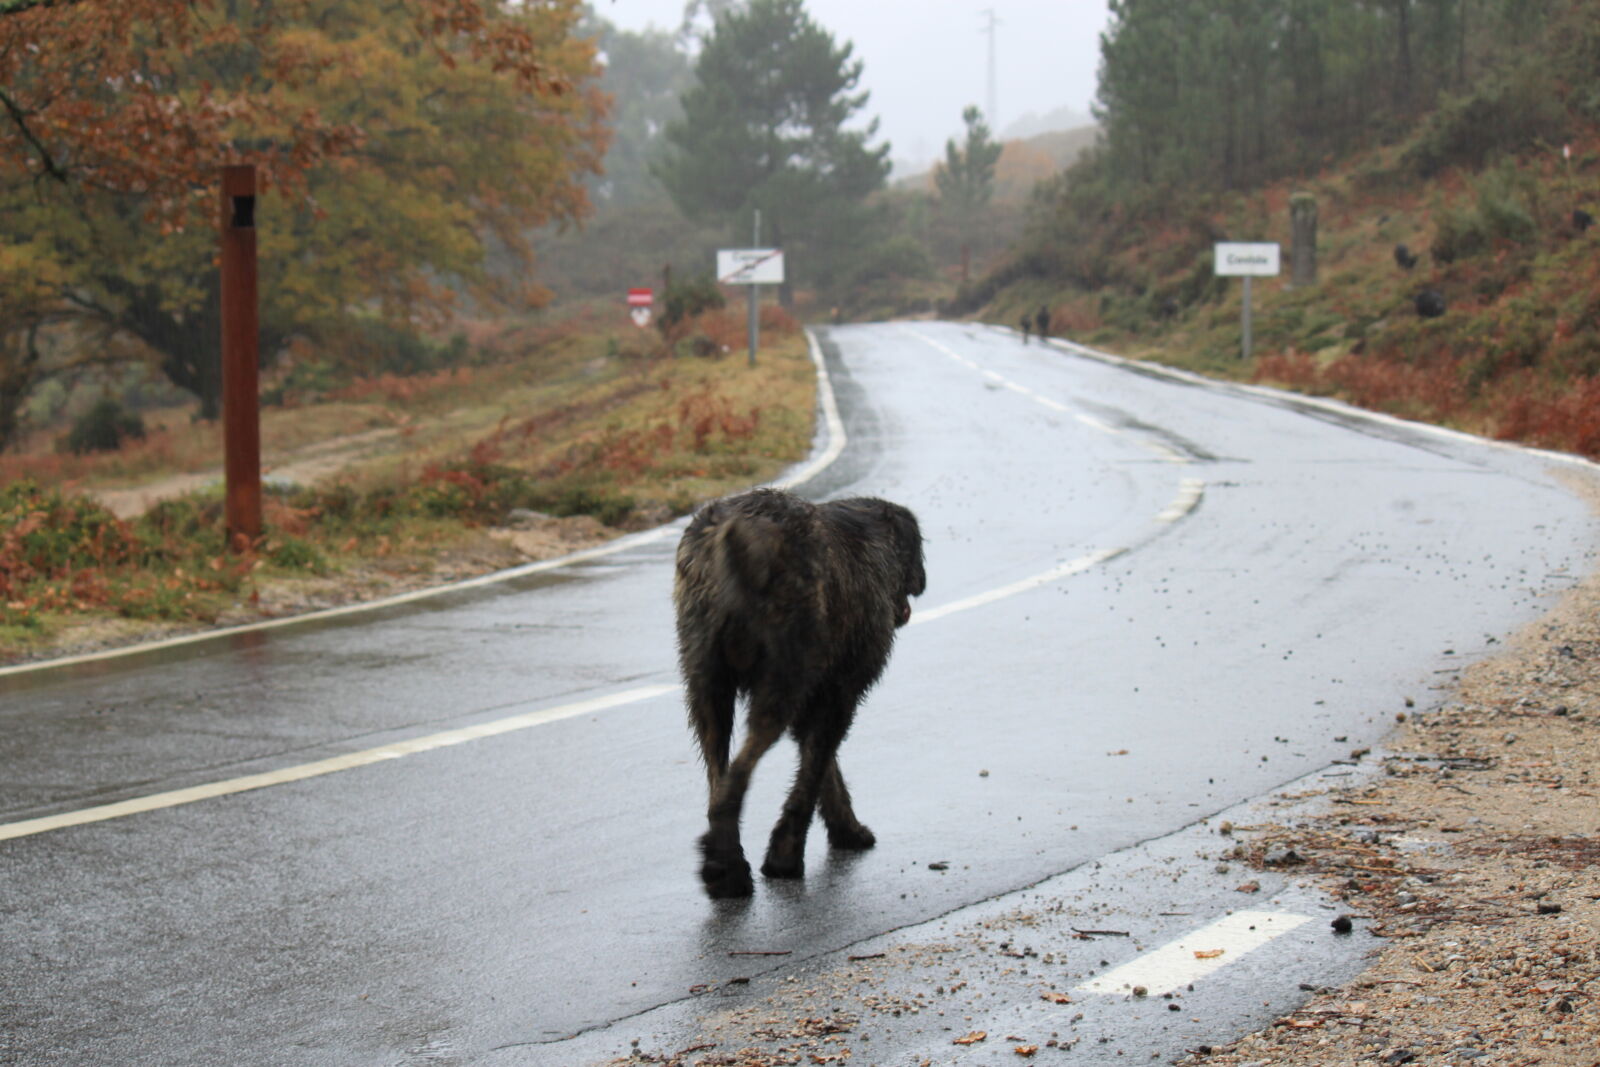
(833,424)
(1189,495)
(831,421)
(348,761)
(1197,954)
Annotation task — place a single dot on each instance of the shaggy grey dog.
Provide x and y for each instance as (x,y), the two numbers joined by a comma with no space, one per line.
(793,605)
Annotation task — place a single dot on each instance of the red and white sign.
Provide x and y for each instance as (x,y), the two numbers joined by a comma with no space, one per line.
(640,298)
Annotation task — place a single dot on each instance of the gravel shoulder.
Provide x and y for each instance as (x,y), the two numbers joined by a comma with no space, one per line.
(1473,862)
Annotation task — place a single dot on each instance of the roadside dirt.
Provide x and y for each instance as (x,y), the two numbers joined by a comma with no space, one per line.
(1474,859)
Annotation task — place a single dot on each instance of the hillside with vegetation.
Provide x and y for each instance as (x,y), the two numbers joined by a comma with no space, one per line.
(1451,148)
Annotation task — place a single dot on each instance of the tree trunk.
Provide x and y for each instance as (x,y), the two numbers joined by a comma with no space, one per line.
(190,345)
(1402,10)
(19,366)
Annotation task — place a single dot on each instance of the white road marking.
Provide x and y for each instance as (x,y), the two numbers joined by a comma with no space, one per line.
(830,419)
(1189,495)
(836,443)
(1190,490)
(1197,954)
(348,761)
(1056,573)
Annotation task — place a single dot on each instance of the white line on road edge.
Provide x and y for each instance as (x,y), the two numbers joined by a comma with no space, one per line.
(346,762)
(1197,954)
(830,420)
(1188,497)
(836,443)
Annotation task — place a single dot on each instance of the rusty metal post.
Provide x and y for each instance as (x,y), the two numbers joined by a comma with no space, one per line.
(241,394)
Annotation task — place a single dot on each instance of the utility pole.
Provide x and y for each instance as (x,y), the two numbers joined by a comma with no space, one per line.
(993,114)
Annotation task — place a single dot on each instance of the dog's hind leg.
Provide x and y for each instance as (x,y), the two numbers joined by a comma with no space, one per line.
(724,870)
(844,829)
(711,706)
(819,734)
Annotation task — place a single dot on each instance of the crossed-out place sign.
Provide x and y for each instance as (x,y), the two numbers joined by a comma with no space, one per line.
(750,266)
(1246,259)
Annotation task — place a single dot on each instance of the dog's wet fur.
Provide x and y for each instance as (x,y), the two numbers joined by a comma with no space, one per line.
(793,605)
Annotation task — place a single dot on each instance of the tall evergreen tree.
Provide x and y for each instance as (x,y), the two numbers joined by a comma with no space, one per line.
(763,129)
(965,179)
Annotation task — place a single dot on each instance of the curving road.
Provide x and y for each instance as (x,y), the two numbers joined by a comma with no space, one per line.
(460,830)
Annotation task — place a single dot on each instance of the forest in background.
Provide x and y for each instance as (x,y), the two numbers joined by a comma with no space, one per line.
(1452,150)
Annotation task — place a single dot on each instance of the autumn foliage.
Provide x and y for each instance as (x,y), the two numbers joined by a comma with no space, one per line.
(406,151)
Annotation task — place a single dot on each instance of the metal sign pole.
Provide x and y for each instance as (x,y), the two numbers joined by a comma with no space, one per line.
(1246,315)
(241,391)
(755,318)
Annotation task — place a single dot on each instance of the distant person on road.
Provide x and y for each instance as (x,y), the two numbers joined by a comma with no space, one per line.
(1025,327)
(1042,322)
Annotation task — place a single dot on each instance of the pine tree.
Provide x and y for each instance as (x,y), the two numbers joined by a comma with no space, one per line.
(763,129)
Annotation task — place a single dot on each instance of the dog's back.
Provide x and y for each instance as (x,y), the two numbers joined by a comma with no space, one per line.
(768,582)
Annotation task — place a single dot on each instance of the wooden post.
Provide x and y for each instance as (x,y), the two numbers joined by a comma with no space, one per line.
(241,399)
(1303,246)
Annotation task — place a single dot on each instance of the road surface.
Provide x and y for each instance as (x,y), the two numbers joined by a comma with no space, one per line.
(460,830)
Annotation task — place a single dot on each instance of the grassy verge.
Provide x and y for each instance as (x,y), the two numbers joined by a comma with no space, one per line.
(584,433)
(1515,355)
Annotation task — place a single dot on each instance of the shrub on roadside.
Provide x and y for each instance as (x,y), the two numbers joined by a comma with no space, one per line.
(103,428)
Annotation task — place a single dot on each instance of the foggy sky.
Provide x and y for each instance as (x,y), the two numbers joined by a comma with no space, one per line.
(926,60)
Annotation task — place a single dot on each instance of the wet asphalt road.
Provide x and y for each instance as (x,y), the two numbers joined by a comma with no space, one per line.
(1148,600)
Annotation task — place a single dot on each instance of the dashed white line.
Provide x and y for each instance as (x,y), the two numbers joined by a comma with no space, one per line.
(1054,574)
(1190,490)
(1197,954)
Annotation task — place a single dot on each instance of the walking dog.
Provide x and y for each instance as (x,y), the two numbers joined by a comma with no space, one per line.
(794,606)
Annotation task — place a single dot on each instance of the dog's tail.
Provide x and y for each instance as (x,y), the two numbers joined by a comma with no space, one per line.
(729,563)
(744,551)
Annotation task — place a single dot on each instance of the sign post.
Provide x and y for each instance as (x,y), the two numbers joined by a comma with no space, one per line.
(1246,260)
(241,389)
(752,267)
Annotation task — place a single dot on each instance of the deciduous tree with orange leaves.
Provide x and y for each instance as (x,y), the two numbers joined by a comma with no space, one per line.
(397,144)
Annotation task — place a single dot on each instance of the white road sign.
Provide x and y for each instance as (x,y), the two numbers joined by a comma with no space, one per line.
(1240,258)
(750,266)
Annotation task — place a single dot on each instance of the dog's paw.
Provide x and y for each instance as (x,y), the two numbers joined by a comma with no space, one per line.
(727,877)
(776,867)
(855,838)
